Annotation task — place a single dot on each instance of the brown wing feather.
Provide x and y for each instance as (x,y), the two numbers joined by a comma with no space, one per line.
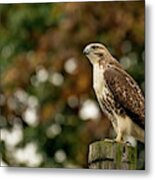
(126,92)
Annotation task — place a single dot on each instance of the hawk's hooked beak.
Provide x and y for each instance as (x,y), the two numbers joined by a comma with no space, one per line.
(86,51)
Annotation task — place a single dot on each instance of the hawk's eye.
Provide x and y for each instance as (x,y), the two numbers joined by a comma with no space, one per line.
(94,47)
(99,54)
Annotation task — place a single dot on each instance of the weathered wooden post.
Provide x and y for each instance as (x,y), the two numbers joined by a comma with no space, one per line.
(112,155)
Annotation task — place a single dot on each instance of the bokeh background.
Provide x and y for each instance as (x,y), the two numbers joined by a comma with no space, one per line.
(49,113)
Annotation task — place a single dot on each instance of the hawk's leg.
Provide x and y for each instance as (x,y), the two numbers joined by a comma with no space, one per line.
(119,137)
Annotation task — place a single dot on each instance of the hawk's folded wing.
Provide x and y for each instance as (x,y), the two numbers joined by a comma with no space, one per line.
(127,93)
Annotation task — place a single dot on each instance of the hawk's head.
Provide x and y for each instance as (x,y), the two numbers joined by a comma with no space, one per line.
(95,52)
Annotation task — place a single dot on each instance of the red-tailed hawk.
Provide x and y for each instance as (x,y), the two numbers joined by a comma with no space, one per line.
(119,96)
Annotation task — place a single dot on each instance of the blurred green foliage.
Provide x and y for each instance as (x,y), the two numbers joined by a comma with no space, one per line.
(46,86)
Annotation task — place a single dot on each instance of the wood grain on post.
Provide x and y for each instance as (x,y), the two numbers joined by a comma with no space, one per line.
(112,155)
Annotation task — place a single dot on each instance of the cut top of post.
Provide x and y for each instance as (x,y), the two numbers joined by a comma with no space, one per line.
(112,155)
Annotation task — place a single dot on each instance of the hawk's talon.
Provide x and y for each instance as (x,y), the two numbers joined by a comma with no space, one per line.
(110,140)
(128,143)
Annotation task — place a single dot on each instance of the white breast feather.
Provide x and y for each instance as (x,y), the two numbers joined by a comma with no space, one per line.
(98,80)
